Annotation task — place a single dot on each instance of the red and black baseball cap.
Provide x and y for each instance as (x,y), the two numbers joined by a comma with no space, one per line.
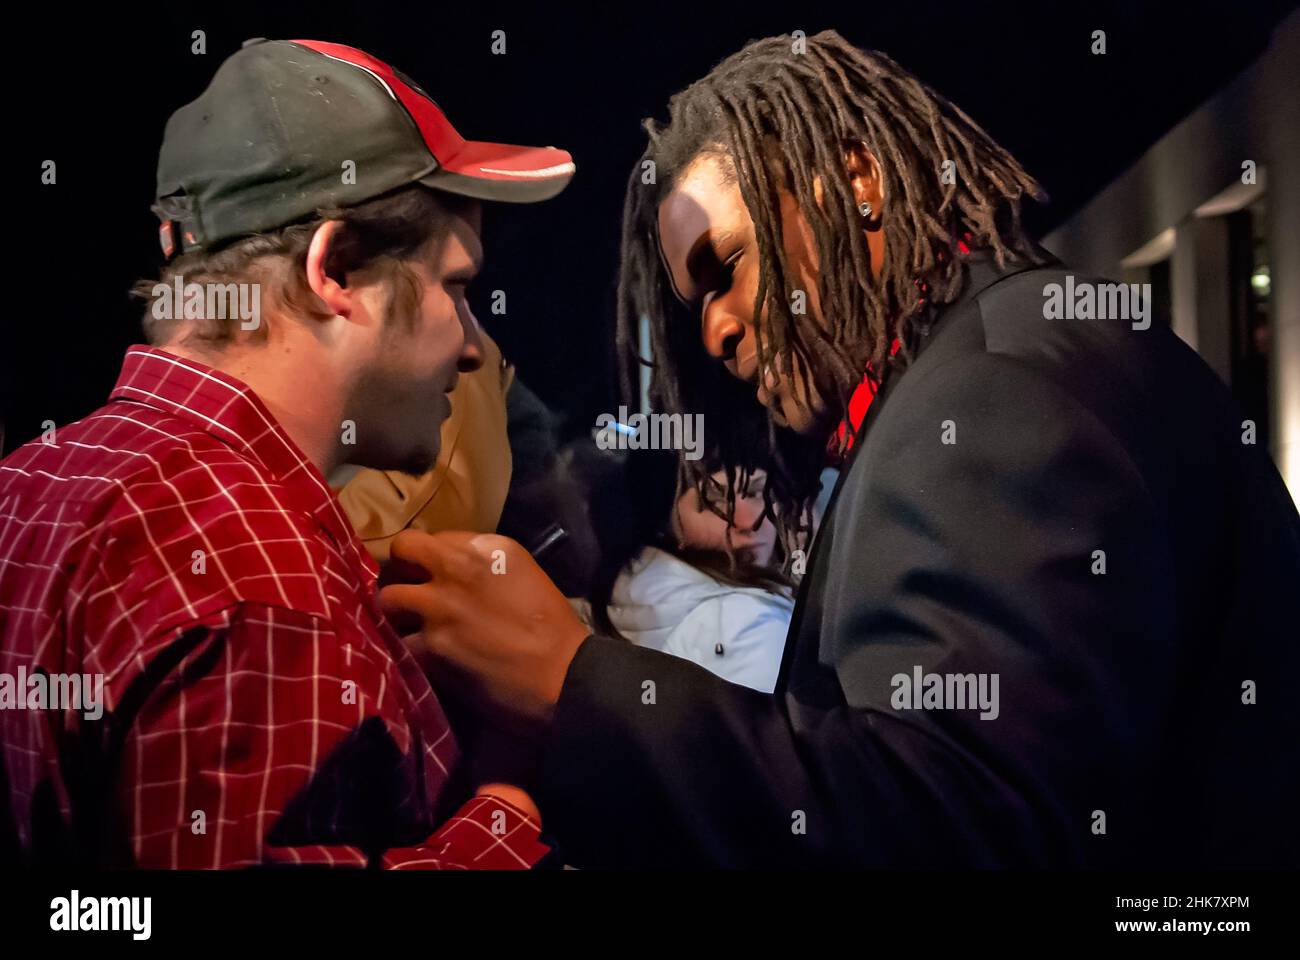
(289,127)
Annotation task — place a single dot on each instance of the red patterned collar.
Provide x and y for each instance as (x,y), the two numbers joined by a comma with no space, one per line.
(842,440)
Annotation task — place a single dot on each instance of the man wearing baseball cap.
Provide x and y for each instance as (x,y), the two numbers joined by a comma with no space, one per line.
(207,678)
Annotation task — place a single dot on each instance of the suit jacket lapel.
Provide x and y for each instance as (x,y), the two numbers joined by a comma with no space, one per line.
(981,273)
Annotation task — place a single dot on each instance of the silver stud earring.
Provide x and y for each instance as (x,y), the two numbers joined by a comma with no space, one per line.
(864,208)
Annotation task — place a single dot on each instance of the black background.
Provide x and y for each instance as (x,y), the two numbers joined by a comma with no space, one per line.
(917,914)
(92,91)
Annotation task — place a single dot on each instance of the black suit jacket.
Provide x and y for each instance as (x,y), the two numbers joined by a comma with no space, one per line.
(1123,734)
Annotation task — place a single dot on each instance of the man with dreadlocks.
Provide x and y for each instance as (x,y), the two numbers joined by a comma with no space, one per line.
(1049,616)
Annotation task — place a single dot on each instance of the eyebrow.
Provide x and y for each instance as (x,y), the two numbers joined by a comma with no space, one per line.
(469,271)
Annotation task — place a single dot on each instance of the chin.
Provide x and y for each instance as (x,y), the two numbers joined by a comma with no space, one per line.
(810,420)
(803,421)
(416,462)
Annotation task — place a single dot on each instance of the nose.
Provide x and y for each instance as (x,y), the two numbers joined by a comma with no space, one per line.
(471,352)
(721,331)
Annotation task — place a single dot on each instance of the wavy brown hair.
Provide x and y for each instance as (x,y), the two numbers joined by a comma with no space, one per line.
(376,239)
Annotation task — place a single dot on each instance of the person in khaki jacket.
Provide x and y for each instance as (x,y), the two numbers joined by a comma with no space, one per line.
(465,490)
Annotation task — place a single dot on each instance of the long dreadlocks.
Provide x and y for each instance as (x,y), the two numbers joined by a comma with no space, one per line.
(779,116)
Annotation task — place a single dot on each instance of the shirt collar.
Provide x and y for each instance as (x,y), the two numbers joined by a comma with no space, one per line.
(229,410)
(980,271)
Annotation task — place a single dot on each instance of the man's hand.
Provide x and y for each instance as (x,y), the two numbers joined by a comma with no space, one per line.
(490,624)
(512,795)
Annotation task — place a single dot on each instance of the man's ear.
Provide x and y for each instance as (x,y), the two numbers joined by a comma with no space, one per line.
(336,297)
(865,180)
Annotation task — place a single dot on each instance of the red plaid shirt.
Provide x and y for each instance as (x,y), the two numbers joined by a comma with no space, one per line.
(256,706)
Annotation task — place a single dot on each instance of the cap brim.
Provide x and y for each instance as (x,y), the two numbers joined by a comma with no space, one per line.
(503,172)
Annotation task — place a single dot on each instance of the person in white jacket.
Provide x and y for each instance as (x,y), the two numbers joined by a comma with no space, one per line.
(668,582)
(666,604)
